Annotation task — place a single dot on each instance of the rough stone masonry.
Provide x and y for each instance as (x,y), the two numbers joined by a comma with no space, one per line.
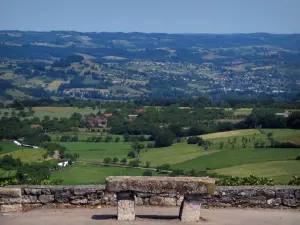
(192,188)
(19,198)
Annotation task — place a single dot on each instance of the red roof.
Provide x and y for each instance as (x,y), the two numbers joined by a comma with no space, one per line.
(108,115)
(140,110)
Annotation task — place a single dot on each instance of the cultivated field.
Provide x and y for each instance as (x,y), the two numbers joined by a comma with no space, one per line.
(92,174)
(28,155)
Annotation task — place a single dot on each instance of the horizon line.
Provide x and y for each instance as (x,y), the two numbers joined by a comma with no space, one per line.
(128,32)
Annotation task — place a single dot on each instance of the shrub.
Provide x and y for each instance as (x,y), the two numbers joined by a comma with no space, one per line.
(298,157)
(193,140)
(295,181)
(134,163)
(163,167)
(124,161)
(251,180)
(131,154)
(151,145)
(115,160)
(147,173)
(107,160)
(148,164)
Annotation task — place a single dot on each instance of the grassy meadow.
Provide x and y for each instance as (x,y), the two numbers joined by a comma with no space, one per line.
(93,174)
(238,160)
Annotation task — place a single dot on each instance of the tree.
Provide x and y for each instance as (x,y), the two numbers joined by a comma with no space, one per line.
(164,139)
(137,147)
(117,139)
(131,154)
(45,155)
(124,161)
(221,144)
(126,137)
(108,138)
(107,160)
(147,173)
(194,140)
(134,163)
(164,167)
(115,160)
(148,164)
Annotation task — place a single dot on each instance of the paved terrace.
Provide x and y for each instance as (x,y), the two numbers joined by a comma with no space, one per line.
(152,216)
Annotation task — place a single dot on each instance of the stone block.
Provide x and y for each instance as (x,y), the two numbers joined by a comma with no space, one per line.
(170,201)
(126,206)
(269,193)
(10,192)
(274,202)
(157,185)
(138,201)
(297,194)
(156,200)
(46,198)
(190,210)
(27,199)
(290,202)
(83,201)
(15,208)
(284,193)
(33,191)
(109,198)
(258,200)
(7,201)
(46,191)
(94,202)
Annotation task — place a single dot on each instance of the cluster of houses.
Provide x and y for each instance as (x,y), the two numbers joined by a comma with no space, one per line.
(101,121)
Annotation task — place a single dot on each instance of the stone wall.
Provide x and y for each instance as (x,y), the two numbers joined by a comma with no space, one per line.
(18,198)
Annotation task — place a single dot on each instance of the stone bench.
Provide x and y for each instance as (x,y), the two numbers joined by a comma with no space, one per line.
(192,188)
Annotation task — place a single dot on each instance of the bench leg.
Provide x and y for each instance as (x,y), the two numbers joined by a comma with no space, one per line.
(190,209)
(126,206)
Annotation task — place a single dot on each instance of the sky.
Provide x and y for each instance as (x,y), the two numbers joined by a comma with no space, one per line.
(163,16)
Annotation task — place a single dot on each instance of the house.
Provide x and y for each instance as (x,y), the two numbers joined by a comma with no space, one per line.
(140,110)
(285,114)
(132,117)
(36,126)
(63,164)
(98,121)
(108,115)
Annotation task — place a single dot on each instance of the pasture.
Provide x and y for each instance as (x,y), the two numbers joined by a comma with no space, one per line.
(280,171)
(9,146)
(92,174)
(28,155)
(61,111)
(96,152)
(236,157)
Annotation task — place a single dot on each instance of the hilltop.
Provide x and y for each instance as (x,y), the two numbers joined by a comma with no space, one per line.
(133,65)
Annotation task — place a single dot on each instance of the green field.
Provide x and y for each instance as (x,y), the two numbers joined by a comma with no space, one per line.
(98,151)
(9,146)
(55,111)
(92,174)
(235,157)
(285,135)
(28,155)
(279,171)
(83,136)
(61,111)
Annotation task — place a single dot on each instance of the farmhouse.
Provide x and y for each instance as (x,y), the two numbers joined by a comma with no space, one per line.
(36,126)
(285,114)
(98,121)
(108,115)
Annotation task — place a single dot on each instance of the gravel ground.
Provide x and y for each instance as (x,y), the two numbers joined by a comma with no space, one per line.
(151,216)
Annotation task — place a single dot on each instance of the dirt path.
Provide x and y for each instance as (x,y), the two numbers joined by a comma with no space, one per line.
(152,216)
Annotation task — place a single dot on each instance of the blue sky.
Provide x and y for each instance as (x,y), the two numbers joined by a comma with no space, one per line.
(167,16)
